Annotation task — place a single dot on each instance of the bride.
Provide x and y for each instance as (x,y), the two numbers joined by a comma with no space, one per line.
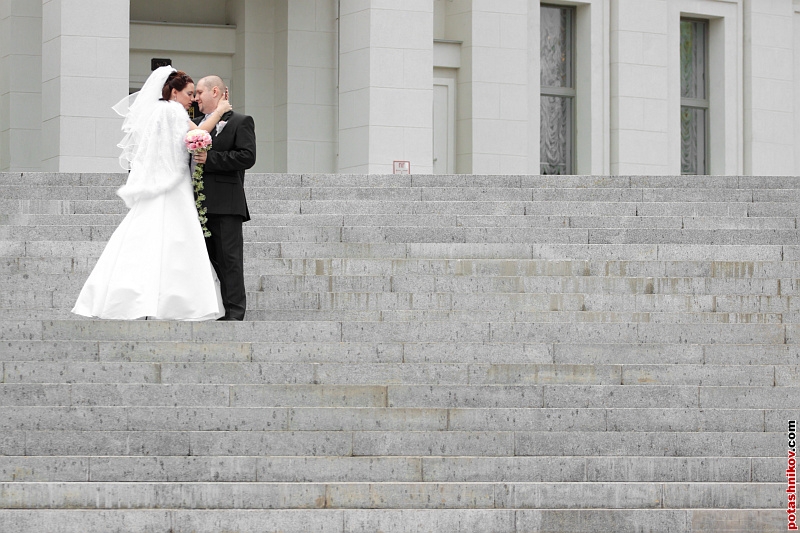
(155,264)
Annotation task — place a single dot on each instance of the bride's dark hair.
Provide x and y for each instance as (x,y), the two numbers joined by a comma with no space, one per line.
(178,80)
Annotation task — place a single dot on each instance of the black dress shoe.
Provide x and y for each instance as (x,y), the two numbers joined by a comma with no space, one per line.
(225,318)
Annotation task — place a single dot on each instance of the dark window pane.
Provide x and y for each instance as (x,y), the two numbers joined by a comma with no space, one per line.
(693,140)
(555,135)
(693,59)
(555,53)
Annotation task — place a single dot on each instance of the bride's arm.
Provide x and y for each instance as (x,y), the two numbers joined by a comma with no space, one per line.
(211,120)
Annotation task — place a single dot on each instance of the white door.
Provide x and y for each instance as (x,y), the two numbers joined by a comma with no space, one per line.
(444,126)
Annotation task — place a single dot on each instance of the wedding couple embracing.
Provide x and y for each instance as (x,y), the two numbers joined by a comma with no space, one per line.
(158,264)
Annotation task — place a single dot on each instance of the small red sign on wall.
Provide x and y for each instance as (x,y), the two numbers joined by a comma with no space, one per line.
(402,167)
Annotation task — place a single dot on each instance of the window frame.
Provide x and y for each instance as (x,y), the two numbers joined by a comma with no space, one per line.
(701,103)
(569,92)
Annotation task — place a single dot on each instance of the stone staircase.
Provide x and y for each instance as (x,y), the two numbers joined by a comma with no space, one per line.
(421,354)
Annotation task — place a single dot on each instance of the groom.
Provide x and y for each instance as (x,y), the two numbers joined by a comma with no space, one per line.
(233,151)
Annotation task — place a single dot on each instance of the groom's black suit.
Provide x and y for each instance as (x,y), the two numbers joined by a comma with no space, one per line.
(233,151)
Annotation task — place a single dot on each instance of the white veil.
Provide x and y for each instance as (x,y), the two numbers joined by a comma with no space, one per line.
(152,147)
(137,109)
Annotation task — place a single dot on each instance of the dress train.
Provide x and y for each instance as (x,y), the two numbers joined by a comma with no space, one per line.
(155,265)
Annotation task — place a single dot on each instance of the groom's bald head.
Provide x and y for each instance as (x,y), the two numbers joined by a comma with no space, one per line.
(208,92)
(209,82)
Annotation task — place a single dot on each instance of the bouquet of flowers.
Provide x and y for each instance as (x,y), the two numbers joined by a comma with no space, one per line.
(199,141)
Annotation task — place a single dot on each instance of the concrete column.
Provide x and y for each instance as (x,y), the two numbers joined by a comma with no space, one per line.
(797,86)
(253,74)
(493,85)
(84,72)
(592,85)
(386,85)
(769,113)
(280,86)
(639,87)
(458,26)
(500,87)
(20,85)
(306,74)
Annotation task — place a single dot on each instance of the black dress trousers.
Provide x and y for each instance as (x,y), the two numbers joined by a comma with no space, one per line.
(226,250)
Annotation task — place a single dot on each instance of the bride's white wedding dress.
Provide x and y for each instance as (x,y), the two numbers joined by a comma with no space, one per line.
(155,264)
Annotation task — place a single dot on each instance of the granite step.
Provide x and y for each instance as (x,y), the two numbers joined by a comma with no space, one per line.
(448,251)
(561,352)
(443,331)
(496,307)
(393,443)
(547,317)
(389,495)
(423,353)
(467,235)
(259,221)
(365,307)
(418,396)
(354,266)
(466,284)
(17,372)
(380,192)
(767,209)
(89,418)
(412,469)
(248,419)
(524,302)
(455,267)
(422,180)
(417,520)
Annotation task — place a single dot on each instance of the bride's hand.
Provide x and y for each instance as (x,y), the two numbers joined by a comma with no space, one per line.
(223,106)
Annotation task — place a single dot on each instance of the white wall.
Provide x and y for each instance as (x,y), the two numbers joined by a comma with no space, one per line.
(498,50)
(458,26)
(253,72)
(639,87)
(493,89)
(797,87)
(440,19)
(198,50)
(20,85)
(84,72)
(354,95)
(194,12)
(311,93)
(592,82)
(386,85)
(354,63)
(768,87)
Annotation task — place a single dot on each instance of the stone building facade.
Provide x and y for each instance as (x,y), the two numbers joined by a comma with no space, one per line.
(451,86)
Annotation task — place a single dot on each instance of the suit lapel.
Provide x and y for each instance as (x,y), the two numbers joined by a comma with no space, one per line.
(213,131)
(224,118)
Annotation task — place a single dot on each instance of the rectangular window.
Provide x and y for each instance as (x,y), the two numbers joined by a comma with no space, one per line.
(694,96)
(557,90)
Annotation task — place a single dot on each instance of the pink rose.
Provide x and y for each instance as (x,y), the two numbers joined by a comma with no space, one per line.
(197,140)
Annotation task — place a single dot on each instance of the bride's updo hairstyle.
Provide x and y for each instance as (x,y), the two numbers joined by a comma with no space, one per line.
(178,80)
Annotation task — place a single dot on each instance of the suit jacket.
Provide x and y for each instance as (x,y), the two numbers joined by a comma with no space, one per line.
(232,152)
